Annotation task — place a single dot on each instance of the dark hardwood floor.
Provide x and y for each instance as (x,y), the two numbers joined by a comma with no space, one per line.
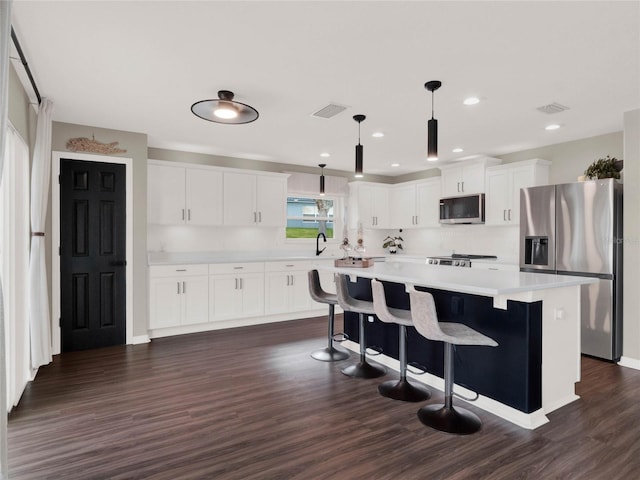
(250,403)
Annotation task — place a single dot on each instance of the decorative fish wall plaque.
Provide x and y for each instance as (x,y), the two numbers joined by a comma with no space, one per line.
(84,144)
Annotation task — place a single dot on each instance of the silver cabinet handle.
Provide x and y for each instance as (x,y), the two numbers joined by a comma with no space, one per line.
(183,214)
(241,284)
(236,283)
(463,186)
(255,217)
(458,186)
(181,269)
(259,217)
(238,268)
(287,280)
(189,214)
(178,287)
(184,287)
(291,279)
(509,214)
(504,215)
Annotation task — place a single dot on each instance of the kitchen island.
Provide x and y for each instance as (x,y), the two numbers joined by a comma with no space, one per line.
(534,318)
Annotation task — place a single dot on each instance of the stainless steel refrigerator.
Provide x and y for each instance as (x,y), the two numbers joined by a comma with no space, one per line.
(576,229)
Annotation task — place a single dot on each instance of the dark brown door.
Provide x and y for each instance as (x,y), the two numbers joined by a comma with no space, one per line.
(92,254)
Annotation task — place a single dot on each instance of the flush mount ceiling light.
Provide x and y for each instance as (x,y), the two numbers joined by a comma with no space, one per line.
(224,110)
(359,152)
(432,125)
(471,101)
(377,135)
(322,165)
(325,154)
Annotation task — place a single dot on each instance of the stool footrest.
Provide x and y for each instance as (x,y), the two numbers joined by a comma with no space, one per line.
(419,369)
(340,337)
(373,348)
(468,399)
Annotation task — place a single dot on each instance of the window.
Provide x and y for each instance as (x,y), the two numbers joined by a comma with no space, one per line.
(307,217)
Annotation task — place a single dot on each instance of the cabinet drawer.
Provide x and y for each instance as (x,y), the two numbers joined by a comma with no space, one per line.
(235,268)
(284,266)
(159,271)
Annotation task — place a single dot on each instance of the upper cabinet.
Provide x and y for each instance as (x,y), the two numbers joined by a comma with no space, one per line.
(465,178)
(255,199)
(211,196)
(415,204)
(180,195)
(370,205)
(503,184)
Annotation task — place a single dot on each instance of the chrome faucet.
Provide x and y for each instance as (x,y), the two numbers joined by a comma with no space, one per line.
(318,251)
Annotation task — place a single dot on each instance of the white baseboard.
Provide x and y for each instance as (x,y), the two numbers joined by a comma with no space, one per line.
(138,339)
(629,363)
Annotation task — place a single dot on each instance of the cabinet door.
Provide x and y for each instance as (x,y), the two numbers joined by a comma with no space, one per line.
(195,293)
(497,201)
(366,216)
(252,287)
(381,205)
(451,179)
(277,292)
(271,203)
(224,297)
(165,306)
(299,298)
(204,197)
(239,199)
(520,178)
(428,204)
(473,179)
(403,205)
(166,195)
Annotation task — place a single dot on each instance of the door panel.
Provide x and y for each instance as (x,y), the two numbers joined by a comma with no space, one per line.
(92,254)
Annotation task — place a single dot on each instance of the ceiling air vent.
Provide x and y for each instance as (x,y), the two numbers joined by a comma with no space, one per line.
(552,108)
(329,111)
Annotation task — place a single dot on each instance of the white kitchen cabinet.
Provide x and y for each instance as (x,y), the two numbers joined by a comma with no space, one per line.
(465,178)
(416,204)
(178,295)
(287,287)
(369,203)
(503,189)
(236,290)
(184,195)
(254,199)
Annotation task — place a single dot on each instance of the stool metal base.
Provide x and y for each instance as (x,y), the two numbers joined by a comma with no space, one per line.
(403,390)
(449,419)
(330,354)
(364,370)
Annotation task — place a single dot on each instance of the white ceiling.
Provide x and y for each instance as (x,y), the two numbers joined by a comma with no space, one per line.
(139,65)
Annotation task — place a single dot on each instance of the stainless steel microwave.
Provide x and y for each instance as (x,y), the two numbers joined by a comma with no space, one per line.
(465,209)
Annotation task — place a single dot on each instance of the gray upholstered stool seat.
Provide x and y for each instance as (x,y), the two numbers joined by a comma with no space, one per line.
(401,389)
(362,369)
(445,417)
(329,353)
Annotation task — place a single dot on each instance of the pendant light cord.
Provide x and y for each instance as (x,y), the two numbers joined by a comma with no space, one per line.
(432,103)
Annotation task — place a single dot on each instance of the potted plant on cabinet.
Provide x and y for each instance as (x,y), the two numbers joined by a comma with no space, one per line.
(393,243)
(607,167)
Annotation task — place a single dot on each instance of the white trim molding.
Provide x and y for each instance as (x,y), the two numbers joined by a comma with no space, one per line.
(629,363)
(55,240)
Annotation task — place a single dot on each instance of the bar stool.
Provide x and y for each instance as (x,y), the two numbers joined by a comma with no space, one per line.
(329,353)
(445,417)
(362,369)
(401,389)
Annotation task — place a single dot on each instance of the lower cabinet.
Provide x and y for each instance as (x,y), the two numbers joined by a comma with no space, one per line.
(287,287)
(236,290)
(178,295)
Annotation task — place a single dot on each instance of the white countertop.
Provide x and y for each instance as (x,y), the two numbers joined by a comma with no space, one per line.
(464,280)
(189,258)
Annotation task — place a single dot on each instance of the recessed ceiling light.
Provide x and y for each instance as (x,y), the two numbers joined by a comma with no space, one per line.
(457,150)
(395,164)
(325,154)
(377,134)
(471,100)
(553,126)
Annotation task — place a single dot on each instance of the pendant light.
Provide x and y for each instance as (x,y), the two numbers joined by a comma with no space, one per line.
(224,110)
(322,165)
(359,150)
(432,125)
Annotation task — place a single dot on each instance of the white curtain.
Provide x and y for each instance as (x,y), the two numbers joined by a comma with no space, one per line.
(39,319)
(5,39)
